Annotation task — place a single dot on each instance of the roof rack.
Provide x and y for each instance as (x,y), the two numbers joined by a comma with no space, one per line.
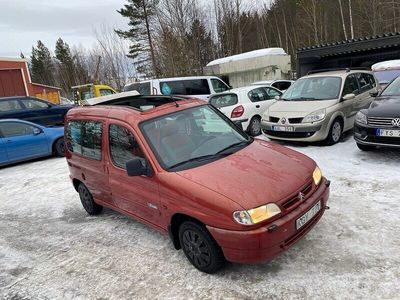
(336,69)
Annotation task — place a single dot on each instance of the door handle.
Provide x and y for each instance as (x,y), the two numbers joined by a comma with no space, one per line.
(257,106)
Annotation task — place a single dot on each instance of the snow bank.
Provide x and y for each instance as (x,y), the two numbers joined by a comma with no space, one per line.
(247,55)
(386,65)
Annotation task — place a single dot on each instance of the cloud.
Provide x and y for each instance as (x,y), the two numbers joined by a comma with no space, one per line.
(23,22)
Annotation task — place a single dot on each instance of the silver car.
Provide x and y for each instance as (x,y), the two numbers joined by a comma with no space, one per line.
(320,107)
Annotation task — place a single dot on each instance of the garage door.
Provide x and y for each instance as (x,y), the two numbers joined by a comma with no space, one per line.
(11,83)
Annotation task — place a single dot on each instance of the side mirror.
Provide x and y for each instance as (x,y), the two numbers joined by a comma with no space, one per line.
(37,131)
(374,94)
(348,97)
(137,167)
(277,97)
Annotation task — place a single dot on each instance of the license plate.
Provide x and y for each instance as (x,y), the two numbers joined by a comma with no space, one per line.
(300,222)
(283,128)
(388,133)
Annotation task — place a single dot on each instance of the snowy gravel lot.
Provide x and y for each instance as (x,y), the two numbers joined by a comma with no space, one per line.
(51,249)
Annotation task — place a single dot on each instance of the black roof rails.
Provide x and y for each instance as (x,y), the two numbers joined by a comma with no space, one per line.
(337,69)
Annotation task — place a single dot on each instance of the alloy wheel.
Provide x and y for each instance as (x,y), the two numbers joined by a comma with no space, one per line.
(196,248)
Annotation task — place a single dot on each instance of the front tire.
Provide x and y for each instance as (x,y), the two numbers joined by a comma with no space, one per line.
(200,248)
(91,207)
(58,147)
(254,128)
(365,147)
(335,132)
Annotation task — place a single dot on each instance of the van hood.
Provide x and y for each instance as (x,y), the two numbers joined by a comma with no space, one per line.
(299,108)
(260,173)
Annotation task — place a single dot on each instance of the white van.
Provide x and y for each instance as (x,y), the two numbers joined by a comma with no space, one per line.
(198,86)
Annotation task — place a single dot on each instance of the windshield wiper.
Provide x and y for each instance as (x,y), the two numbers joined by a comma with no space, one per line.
(194,159)
(242,143)
(210,156)
(304,99)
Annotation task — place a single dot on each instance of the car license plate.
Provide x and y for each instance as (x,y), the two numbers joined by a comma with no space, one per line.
(300,222)
(283,128)
(388,133)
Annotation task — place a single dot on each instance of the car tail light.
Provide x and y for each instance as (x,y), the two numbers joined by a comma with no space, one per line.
(237,112)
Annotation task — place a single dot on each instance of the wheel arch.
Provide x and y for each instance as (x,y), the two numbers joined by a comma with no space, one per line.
(335,116)
(173,228)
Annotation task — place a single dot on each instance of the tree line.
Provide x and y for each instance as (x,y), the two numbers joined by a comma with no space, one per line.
(166,38)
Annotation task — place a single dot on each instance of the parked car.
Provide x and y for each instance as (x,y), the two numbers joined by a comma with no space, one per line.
(280,84)
(246,105)
(199,86)
(386,71)
(379,125)
(320,107)
(83,92)
(21,140)
(182,167)
(34,110)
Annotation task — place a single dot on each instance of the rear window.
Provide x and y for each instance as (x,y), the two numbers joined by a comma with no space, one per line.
(84,138)
(224,100)
(185,87)
(143,88)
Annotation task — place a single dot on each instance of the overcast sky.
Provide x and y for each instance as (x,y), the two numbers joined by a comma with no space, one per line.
(24,22)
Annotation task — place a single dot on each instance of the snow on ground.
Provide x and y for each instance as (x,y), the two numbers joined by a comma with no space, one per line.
(51,249)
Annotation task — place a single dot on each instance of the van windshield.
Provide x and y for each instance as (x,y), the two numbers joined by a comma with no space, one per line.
(314,88)
(193,137)
(143,88)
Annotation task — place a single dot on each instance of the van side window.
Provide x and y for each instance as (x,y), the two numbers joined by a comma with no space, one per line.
(123,146)
(84,138)
(185,87)
(351,85)
(364,81)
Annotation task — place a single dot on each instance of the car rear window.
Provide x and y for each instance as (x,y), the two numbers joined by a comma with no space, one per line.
(224,100)
(84,138)
(185,87)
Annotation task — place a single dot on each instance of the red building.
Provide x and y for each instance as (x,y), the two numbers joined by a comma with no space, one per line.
(15,80)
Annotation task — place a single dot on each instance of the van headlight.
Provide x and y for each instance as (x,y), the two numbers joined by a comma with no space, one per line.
(361,118)
(256,215)
(315,116)
(317,175)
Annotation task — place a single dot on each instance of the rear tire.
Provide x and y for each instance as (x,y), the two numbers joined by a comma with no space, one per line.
(200,248)
(88,203)
(365,147)
(254,128)
(335,132)
(58,147)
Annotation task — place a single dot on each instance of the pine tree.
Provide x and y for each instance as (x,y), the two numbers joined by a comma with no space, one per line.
(139,13)
(42,65)
(66,66)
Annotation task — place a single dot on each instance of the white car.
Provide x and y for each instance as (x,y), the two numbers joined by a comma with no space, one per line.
(280,84)
(246,105)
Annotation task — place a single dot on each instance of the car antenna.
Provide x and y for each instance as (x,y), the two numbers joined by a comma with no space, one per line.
(176,103)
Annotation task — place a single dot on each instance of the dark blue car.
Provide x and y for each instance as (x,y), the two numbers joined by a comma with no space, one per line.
(34,110)
(21,140)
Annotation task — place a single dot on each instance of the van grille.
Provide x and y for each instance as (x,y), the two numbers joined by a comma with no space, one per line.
(295,199)
(380,122)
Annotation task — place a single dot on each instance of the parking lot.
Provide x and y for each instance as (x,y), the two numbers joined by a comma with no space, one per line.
(51,249)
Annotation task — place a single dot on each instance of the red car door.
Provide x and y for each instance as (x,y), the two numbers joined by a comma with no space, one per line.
(136,195)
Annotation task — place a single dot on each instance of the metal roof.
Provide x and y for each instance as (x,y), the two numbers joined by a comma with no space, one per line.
(368,43)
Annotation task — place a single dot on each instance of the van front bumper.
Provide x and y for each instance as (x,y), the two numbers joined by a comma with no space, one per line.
(306,132)
(263,244)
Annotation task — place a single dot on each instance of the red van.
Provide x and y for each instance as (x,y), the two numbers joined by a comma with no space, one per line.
(182,167)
